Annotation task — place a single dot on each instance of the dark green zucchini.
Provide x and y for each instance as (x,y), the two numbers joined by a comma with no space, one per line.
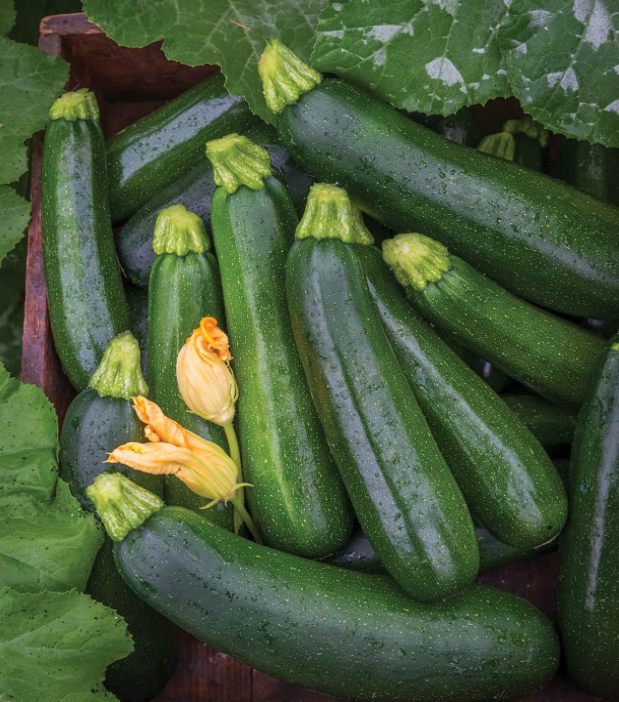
(549,354)
(99,420)
(86,301)
(137,299)
(184,287)
(404,495)
(592,168)
(155,151)
(460,128)
(508,481)
(551,425)
(297,498)
(588,587)
(539,238)
(343,633)
(194,190)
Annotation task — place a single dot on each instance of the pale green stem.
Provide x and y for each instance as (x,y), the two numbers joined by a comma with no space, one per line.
(235,455)
(249,522)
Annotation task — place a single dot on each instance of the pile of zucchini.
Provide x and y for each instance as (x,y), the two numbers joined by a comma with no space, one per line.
(399,405)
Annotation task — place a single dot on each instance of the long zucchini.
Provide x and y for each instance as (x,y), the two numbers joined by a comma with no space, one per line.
(297,497)
(404,495)
(588,588)
(340,632)
(549,354)
(591,168)
(153,152)
(184,287)
(539,238)
(507,479)
(87,305)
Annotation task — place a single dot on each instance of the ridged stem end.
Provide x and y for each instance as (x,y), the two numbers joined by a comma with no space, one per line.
(502,145)
(329,214)
(120,373)
(121,504)
(179,231)
(238,161)
(416,260)
(79,104)
(284,76)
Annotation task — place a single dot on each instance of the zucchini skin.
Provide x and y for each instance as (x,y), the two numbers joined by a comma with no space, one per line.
(343,633)
(182,290)
(551,425)
(539,238)
(297,499)
(588,586)
(195,189)
(554,357)
(137,299)
(397,480)
(507,479)
(86,300)
(591,168)
(153,152)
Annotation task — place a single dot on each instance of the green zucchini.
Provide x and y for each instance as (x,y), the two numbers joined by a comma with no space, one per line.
(137,299)
(331,629)
(99,420)
(153,152)
(554,357)
(551,425)
(404,495)
(508,481)
(297,497)
(539,238)
(194,190)
(460,128)
(591,168)
(184,287)
(85,296)
(588,587)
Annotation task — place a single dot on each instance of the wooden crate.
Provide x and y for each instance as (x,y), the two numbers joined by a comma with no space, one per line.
(130,83)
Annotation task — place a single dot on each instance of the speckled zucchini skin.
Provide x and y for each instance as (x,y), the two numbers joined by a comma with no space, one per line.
(588,589)
(85,295)
(554,357)
(153,152)
(592,168)
(539,238)
(343,633)
(552,426)
(404,495)
(297,499)
(507,479)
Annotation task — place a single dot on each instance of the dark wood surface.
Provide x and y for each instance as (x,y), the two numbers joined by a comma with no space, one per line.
(129,83)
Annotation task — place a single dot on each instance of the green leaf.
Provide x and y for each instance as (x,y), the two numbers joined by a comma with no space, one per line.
(7,17)
(431,56)
(563,64)
(231,33)
(31,12)
(14,156)
(15,214)
(28,441)
(11,326)
(47,547)
(56,646)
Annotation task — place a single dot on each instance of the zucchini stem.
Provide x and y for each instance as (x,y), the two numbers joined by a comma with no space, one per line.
(249,522)
(120,372)
(238,161)
(235,455)
(179,231)
(416,259)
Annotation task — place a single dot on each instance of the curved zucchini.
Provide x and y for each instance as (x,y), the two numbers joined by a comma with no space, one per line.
(551,425)
(591,168)
(507,479)
(87,305)
(99,419)
(588,587)
(539,238)
(404,495)
(549,354)
(184,287)
(297,497)
(153,152)
(340,632)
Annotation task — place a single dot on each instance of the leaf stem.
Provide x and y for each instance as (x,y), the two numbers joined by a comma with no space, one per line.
(249,522)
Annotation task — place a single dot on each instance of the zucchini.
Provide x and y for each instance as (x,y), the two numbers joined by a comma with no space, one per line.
(554,357)
(184,287)
(153,152)
(194,190)
(137,299)
(539,238)
(87,305)
(507,479)
(98,420)
(551,425)
(340,632)
(297,497)
(591,168)
(588,586)
(404,495)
